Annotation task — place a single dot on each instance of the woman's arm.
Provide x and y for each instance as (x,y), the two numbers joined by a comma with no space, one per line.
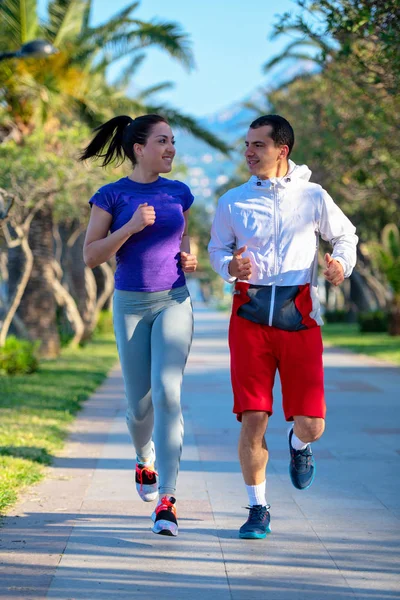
(188,261)
(185,244)
(100,247)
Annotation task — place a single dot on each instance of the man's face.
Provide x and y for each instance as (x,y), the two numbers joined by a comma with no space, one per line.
(261,154)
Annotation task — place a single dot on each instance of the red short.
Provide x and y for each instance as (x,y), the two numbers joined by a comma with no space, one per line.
(257,351)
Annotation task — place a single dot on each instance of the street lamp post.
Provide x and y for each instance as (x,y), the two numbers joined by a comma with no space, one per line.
(33,49)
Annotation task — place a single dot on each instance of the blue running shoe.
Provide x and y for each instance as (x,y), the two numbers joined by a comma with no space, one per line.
(302,466)
(258,523)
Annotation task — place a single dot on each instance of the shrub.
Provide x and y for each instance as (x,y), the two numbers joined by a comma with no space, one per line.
(105,322)
(336,316)
(373,322)
(18,357)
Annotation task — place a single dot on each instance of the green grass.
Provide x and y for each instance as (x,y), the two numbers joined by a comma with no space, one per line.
(379,345)
(36,410)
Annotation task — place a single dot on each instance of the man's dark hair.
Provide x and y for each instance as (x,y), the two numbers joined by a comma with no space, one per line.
(282,132)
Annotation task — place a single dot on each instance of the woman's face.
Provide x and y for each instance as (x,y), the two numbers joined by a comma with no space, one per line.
(157,154)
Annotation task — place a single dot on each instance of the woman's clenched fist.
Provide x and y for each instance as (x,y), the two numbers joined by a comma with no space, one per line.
(143,216)
(188,262)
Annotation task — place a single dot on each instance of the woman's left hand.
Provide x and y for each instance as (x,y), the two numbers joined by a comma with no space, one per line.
(188,262)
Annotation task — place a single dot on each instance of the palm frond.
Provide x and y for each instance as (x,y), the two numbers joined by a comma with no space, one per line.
(66,20)
(19,22)
(168,36)
(300,26)
(154,89)
(254,107)
(287,53)
(126,74)
(298,56)
(29,22)
(112,24)
(133,35)
(300,75)
(189,124)
(391,239)
(86,16)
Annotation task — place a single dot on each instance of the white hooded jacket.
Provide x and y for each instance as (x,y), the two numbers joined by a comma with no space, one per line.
(280,220)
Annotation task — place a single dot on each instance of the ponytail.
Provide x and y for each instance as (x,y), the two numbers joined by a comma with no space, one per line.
(110,134)
(115,139)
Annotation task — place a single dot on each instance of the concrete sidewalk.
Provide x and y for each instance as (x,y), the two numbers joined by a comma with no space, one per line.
(84,534)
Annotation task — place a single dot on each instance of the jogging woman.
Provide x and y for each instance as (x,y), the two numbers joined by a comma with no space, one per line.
(142,219)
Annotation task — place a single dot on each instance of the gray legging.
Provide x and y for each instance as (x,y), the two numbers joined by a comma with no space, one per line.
(154,333)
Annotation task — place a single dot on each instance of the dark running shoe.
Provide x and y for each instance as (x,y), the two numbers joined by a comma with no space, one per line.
(302,466)
(164,517)
(258,523)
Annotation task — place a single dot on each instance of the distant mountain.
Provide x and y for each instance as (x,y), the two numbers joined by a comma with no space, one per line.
(207,168)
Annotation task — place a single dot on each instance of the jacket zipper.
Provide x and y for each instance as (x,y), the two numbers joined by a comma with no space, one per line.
(276,226)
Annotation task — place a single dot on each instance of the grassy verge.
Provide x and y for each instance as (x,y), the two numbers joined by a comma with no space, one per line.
(379,345)
(35,411)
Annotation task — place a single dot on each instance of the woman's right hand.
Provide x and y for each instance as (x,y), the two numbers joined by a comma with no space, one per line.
(143,216)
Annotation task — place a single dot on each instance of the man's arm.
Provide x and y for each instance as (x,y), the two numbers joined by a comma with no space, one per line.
(337,229)
(222,243)
(225,259)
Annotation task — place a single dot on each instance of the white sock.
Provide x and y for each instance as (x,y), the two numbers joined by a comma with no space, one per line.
(296,443)
(256,494)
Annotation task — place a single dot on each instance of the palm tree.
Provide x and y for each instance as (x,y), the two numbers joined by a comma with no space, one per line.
(386,256)
(74,81)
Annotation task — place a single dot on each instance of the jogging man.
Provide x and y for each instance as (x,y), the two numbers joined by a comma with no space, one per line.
(265,240)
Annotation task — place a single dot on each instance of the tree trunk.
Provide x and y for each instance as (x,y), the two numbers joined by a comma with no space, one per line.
(80,281)
(103,282)
(90,289)
(106,293)
(11,309)
(394,317)
(64,298)
(93,305)
(38,305)
(367,292)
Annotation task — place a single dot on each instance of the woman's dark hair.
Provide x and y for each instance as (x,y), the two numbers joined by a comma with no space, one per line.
(282,132)
(114,140)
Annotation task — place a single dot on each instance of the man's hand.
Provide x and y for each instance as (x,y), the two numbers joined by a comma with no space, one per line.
(334,271)
(188,262)
(240,267)
(143,216)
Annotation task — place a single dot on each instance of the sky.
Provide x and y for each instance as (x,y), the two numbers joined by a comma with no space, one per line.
(230,41)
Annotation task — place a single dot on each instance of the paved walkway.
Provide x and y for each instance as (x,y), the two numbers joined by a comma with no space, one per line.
(84,534)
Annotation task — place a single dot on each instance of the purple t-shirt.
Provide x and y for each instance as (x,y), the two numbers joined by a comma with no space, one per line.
(149,260)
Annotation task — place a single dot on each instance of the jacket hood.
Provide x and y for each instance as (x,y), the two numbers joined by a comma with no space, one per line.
(298,171)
